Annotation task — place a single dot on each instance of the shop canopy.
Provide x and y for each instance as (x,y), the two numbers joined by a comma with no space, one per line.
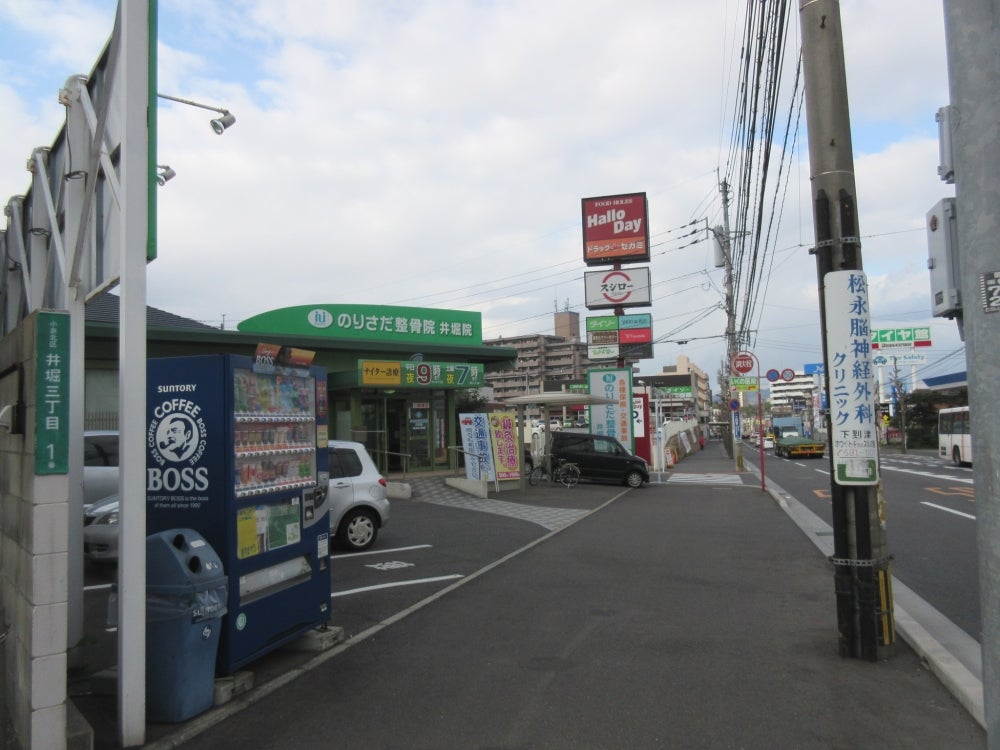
(553,399)
(545,400)
(557,399)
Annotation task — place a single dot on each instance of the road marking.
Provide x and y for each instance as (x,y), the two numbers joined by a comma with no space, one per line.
(949,510)
(683,478)
(968,493)
(393,585)
(381,551)
(943,477)
(390,565)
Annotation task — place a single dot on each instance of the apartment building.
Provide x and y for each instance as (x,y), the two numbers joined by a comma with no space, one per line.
(793,396)
(681,391)
(544,362)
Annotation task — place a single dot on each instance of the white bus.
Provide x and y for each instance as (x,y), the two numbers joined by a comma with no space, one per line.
(954,435)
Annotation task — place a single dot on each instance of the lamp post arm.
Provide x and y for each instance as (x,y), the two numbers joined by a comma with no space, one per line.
(220,110)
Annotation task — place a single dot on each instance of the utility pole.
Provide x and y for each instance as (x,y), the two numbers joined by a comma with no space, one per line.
(900,397)
(862,579)
(723,239)
(973,45)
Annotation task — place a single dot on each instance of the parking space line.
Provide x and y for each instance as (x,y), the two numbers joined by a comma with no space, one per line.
(380,551)
(393,585)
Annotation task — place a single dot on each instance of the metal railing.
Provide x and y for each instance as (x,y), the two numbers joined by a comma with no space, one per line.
(481,458)
(404,456)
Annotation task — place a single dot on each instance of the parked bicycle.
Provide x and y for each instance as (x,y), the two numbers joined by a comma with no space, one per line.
(565,472)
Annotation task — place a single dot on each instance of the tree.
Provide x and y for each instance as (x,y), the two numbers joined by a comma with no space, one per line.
(470,401)
(921,416)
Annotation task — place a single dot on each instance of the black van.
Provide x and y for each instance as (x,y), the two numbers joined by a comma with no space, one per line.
(599,457)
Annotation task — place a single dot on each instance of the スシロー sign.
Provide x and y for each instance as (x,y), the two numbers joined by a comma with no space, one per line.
(615,229)
(625,287)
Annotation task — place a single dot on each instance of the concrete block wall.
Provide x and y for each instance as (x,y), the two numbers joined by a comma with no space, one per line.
(34,536)
(684,441)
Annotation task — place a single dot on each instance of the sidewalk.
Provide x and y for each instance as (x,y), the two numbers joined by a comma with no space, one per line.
(950,653)
(690,613)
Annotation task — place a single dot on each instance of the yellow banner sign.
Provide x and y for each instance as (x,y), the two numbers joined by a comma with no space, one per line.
(380,373)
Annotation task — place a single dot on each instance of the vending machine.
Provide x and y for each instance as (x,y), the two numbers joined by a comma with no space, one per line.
(236,449)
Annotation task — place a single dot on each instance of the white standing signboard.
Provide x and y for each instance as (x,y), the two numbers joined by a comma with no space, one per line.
(613,418)
(853,434)
(478,446)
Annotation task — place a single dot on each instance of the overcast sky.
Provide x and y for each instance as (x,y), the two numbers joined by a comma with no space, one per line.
(435,154)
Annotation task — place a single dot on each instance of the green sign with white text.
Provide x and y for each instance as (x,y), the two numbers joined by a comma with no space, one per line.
(381,373)
(52,393)
(412,325)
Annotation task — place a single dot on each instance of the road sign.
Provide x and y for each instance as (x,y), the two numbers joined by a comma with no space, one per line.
(734,405)
(742,363)
(788,374)
(743,383)
(853,438)
(773,375)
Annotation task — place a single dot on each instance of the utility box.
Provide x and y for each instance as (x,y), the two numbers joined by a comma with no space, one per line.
(943,259)
(946,126)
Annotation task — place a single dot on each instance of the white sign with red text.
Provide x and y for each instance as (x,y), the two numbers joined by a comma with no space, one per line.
(623,287)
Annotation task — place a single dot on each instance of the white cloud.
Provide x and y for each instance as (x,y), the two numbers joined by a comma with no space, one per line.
(436,154)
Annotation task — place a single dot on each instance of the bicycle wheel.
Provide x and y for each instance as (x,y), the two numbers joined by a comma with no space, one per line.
(570,475)
(536,476)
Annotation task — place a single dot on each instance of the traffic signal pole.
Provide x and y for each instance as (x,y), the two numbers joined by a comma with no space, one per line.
(862,579)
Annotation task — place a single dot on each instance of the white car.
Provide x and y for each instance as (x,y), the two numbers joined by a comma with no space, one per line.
(100,530)
(100,464)
(357,497)
(768,442)
(359,506)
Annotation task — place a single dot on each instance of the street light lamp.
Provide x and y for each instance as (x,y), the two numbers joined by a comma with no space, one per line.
(219,124)
(165,175)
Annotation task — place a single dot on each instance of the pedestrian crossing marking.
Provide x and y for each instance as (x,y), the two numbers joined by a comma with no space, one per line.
(679,478)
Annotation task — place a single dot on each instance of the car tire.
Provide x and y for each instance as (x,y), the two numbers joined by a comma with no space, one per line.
(358,530)
(634,478)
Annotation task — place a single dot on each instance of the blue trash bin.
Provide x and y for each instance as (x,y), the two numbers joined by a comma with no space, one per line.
(186,591)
